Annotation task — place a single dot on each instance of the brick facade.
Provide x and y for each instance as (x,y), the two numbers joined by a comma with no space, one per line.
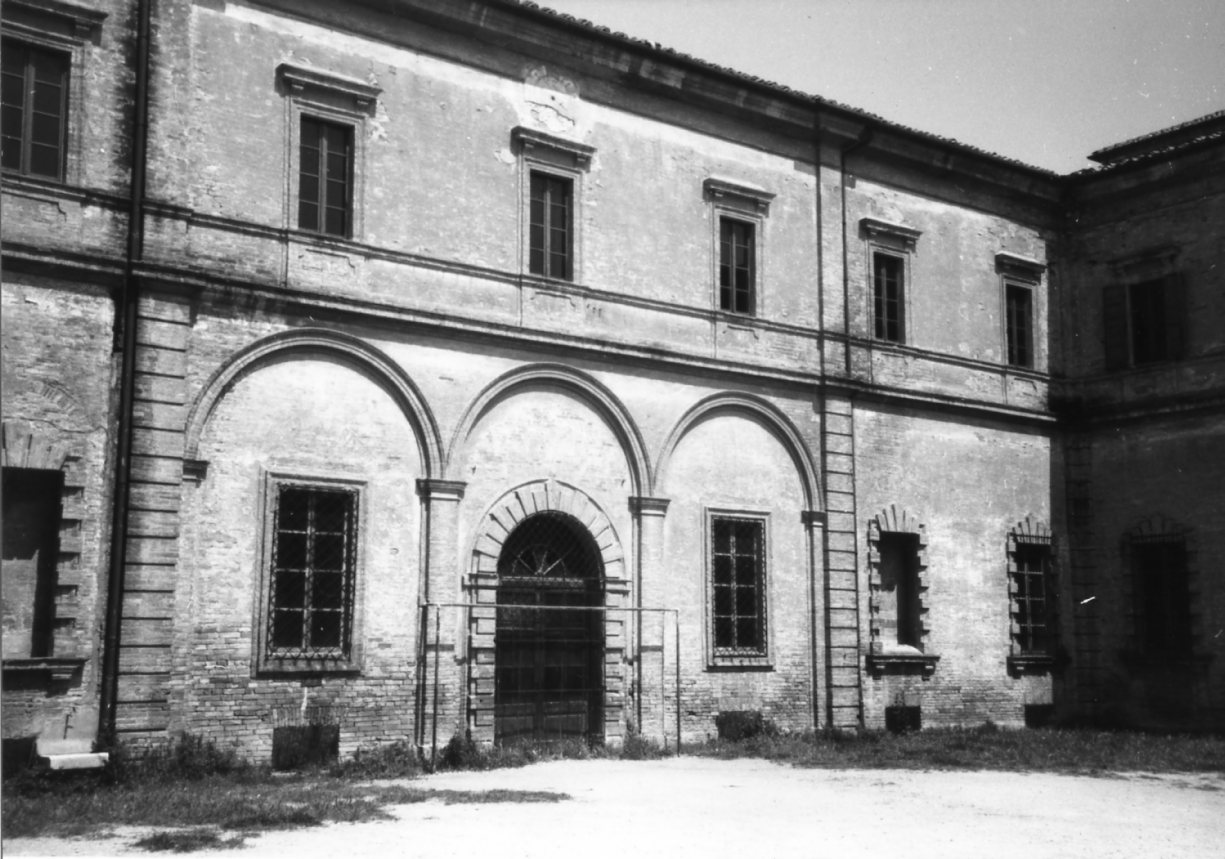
(413,363)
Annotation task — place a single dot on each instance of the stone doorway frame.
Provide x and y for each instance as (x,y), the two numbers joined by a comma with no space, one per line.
(502,518)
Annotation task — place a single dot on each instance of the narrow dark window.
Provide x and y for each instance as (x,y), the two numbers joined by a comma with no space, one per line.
(1163,599)
(1019,314)
(1032,600)
(325,177)
(1146,308)
(888,285)
(550,227)
(1143,322)
(899,574)
(310,599)
(738,586)
(31,520)
(34,99)
(737,252)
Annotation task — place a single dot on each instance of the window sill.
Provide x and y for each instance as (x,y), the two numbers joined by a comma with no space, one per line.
(301,667)
(1030,663)
(903,661)
(57,668)
(740,663)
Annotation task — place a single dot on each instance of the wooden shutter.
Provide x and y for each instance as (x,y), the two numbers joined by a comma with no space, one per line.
(1114,318)
(1175,316)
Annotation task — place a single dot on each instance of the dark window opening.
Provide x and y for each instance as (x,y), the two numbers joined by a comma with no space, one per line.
(901,720)
(310,598)
(899,575)
(738,586)
(1039,715)
(1019,325)
(325,178)
(550,225)
(888,285)
(737,264)
(31,521)
(1032,600)
(1163,598)
(33,110)
(1143,322)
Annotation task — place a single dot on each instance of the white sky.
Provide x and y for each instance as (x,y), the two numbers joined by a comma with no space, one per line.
(1043,81)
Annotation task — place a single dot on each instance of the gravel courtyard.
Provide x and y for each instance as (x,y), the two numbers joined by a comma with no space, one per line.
(698,807)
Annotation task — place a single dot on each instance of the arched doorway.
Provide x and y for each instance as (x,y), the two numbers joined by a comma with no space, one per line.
(549,647)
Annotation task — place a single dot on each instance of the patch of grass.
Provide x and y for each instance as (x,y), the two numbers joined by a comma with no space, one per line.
(188,841)
(985,747)
(393,760)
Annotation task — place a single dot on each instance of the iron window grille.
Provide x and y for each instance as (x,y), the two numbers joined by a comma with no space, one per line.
(888,296)
(550,226)
(312,573)
(737,266)
(34,104)
(325,177)
(1019,322)
(738,586)
(1033,600)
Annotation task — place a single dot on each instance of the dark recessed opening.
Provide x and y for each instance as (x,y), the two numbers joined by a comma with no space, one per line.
(1039,715)
(899,720)
(304,746)
(18,755)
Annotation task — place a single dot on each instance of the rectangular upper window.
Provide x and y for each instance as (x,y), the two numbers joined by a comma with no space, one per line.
(311,574)
(1019,324)
(325,177)
(1143,322)
(738,587)
(550,226)
(888,297)
(737,266)
(34,121)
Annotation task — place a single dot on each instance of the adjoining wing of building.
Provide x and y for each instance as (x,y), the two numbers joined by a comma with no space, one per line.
(396,369)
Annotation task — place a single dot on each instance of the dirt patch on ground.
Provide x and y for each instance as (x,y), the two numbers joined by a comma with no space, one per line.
(745,808)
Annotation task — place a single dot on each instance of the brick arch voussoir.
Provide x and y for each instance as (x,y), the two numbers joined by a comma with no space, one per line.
(606,404)
(317,341)
(545,496)
(763,412)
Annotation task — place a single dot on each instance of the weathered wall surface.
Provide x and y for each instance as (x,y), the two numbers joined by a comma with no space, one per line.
(969,483)
(56,401)
(295,418)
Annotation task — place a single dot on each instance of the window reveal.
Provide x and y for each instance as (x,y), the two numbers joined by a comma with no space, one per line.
(325,177)
(899,576)
(31,520)
(737,252)
(550,226)
(310,600)
(34,99)
(1019,325)
(738,586)
(888,284)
